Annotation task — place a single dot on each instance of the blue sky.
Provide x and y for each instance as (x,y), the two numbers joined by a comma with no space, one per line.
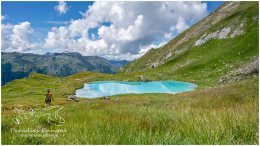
(39,13)
(43,16)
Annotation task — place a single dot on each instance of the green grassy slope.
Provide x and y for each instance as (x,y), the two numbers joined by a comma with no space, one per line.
(207,63)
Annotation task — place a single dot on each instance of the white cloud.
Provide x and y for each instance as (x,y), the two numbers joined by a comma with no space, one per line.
(3,17)
(134,26)
(17,37)
(145,49)
(58,22)
(181,25)
(62,7)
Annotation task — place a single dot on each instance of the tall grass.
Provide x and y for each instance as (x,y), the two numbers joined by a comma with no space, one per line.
(218,115)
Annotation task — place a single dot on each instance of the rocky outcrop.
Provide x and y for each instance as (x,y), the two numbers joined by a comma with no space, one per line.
(224,11)
(224,33)
(72,97)
(168,55)
(243,72)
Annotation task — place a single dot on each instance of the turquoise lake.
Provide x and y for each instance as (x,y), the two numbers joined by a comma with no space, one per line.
(108,88)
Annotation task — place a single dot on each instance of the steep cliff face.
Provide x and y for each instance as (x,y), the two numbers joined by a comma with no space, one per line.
(229,21)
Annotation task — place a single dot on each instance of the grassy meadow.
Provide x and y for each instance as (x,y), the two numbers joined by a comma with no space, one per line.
(226,114)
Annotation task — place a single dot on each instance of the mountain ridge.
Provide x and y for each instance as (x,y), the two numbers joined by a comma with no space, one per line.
(215,46)
(224,11)
(18,65)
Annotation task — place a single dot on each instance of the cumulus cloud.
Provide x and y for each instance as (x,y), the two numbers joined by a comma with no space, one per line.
(62,7)
(17,37)
(3,17)
(181,25)
(146,48)
(134,26)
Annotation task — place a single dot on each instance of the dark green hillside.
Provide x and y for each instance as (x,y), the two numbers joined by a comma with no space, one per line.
(19,65)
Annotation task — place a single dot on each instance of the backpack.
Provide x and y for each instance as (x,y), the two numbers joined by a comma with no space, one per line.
(48,97)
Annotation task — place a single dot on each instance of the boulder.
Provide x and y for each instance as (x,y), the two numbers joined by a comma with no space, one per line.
(72,97)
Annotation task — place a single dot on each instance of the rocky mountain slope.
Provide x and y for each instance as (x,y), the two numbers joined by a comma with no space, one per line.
(222,42)
(19,65)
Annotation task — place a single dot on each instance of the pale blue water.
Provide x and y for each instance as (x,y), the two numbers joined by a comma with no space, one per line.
(108,88)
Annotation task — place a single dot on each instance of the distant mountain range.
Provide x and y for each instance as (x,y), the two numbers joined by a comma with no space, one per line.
(19,65)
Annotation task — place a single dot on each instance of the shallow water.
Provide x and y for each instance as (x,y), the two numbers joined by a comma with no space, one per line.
(108,88)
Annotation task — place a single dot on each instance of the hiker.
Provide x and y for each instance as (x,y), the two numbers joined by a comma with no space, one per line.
(48,98)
